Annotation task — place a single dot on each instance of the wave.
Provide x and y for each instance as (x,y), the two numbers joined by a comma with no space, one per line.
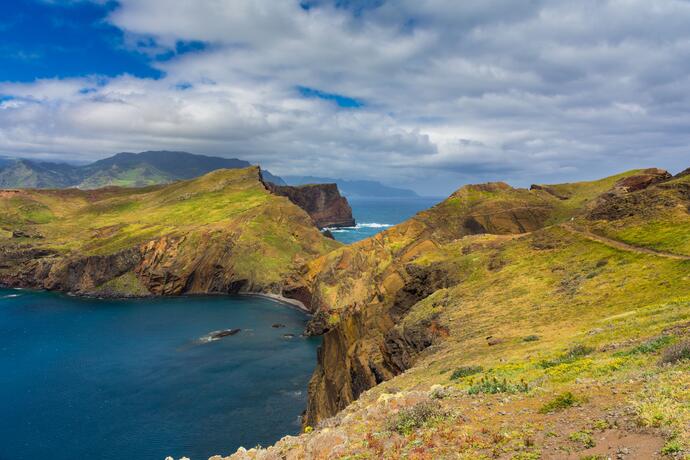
(373,225)
(359,226)
(9,296)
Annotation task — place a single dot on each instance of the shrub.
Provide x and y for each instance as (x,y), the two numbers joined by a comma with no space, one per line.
(575,353)
(408,420)
(530,338)
(493,386)
(439,392)
(677,352)
(562,401)
(583,437)
(465,371)
(601,425)
(672,447)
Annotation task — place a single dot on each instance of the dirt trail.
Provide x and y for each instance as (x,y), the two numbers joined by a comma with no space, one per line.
(623,246)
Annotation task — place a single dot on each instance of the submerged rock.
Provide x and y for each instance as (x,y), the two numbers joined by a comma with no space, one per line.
(217,335)
(277,325)
(224,333)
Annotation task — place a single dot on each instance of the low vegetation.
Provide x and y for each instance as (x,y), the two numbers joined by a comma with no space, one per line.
(465,371)
(420,415)
(492,385)
(676,353)
(572,355)
(560,402)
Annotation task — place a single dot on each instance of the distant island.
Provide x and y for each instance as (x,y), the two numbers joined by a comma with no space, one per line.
(123,169)
(355,188)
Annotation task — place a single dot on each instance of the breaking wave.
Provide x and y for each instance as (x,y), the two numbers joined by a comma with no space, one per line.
(358,226)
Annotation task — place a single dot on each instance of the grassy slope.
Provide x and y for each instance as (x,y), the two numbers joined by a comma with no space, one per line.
(566,297)
(271,234)
(663,228)
(521,305)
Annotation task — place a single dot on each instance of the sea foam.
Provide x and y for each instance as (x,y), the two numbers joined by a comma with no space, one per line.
(358,226)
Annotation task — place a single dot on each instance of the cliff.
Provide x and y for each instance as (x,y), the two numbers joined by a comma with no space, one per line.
(221,233)
(507,323)
(322,202)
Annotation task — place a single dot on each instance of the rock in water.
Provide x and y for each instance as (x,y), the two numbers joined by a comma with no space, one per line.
(217,335)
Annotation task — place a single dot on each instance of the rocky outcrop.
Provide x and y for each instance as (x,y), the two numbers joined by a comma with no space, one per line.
(374,343)
(322,202)
(634,195)
(43,269)
(642,180)
(550,190)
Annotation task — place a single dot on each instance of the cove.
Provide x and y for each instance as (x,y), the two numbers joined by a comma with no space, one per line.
(112,379)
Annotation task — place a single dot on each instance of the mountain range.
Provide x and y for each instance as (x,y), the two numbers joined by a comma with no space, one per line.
(355,188)
(123,169)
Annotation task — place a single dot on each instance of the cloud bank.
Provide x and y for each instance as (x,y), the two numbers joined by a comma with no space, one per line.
(429,94)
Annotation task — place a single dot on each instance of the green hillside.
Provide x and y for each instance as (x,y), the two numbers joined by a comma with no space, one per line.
(222,232)
(507,323)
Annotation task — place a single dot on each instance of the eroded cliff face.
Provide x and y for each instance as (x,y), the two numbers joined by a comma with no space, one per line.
(221,233)
(322,202)
(363,294)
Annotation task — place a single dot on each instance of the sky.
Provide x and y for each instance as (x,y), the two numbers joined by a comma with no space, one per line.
(424,94)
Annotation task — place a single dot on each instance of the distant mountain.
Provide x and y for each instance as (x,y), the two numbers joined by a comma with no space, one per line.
(123,169)
(22,173)
(355,188)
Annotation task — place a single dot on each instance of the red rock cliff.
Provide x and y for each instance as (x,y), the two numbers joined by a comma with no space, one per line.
(322,202)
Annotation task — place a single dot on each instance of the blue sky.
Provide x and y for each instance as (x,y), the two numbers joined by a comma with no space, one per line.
(428,95)
(64,39)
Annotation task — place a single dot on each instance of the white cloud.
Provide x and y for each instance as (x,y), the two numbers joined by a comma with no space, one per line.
(453,91)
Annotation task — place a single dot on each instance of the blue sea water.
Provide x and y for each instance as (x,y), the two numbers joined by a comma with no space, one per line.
(130,379)
(113,379)
(376,214)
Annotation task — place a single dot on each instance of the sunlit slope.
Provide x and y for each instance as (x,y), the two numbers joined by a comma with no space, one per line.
(545,330)
(220,232)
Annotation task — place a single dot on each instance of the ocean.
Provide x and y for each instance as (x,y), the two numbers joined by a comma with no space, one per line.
(134,379)
(373,215)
